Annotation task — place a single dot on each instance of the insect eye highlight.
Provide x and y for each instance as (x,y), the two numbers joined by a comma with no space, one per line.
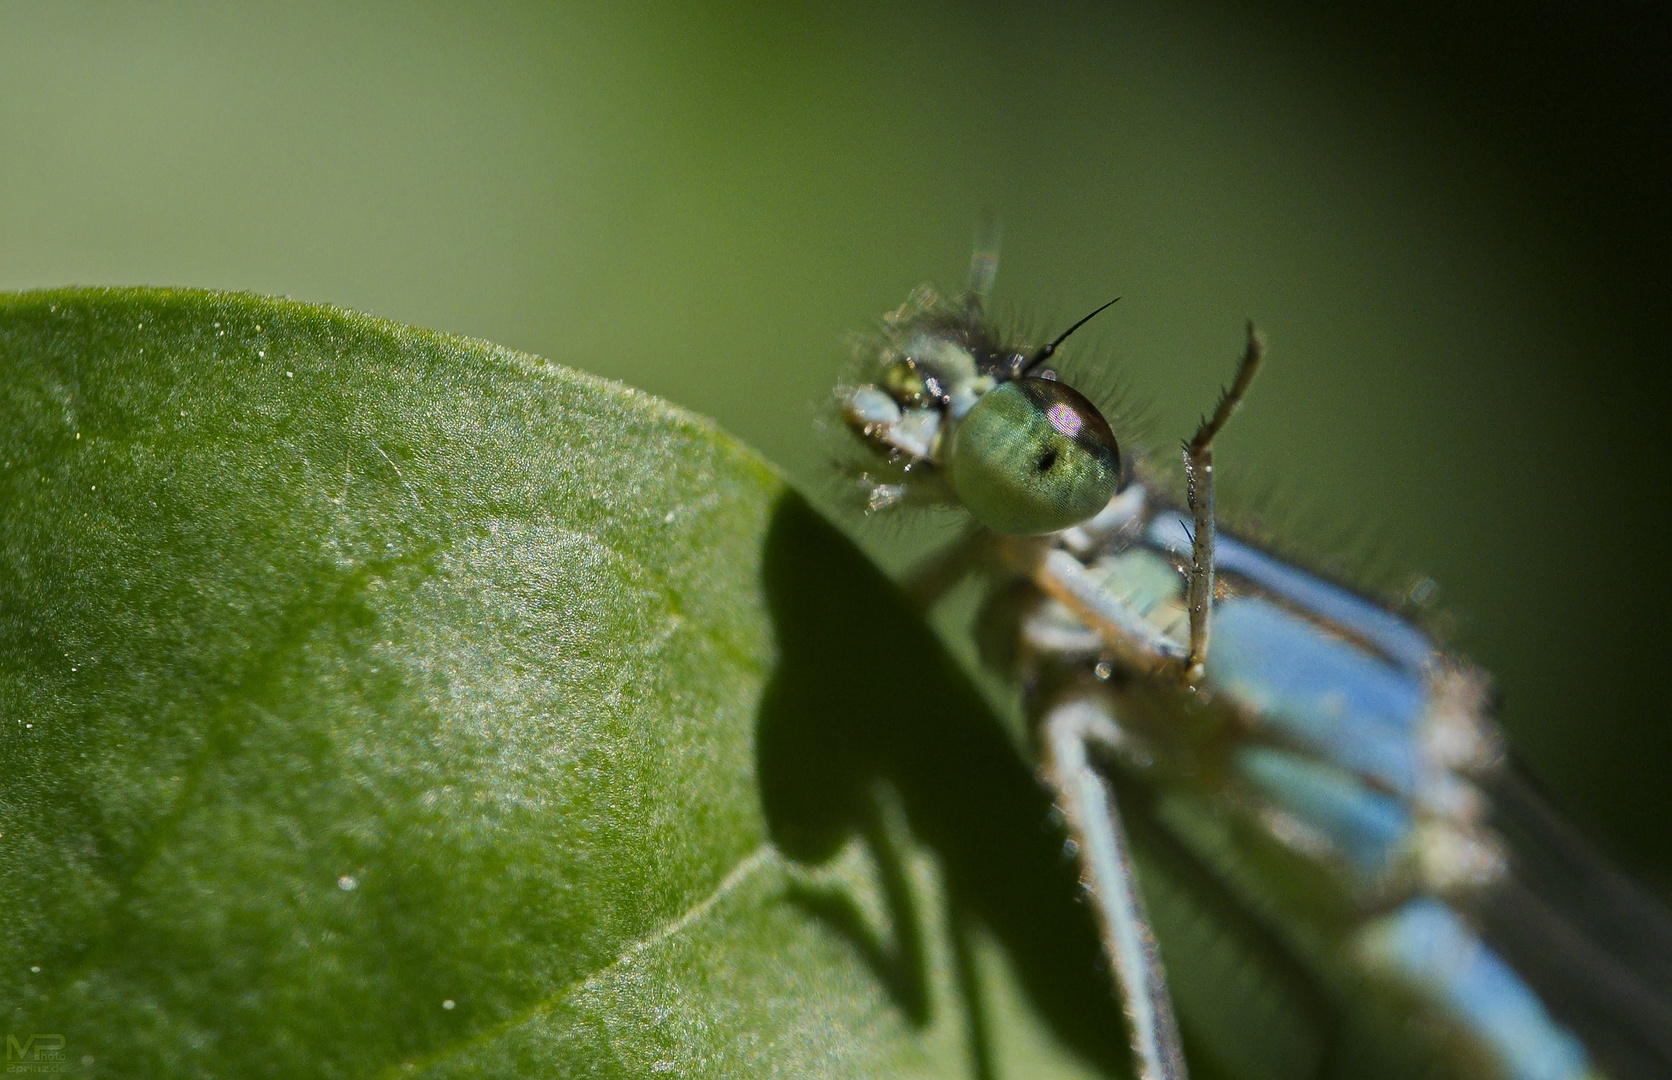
(1065,418)
(1034,456)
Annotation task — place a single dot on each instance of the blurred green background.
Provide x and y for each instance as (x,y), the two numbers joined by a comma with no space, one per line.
(1452,226)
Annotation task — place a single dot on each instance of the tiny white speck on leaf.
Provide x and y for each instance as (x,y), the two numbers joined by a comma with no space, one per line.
(448,1004)
(348,883)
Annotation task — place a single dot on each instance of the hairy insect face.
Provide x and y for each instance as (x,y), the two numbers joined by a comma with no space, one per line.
(949,417)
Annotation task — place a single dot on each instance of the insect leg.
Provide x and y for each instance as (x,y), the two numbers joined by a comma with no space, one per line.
(1198,471)
(984,264)
(1088,806)
(1137,642)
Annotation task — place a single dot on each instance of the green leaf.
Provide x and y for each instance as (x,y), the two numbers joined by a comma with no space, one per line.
(379,702)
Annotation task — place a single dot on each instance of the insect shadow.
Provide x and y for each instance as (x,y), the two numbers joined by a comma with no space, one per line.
(864,699)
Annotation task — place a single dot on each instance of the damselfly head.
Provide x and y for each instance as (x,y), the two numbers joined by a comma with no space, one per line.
(954,413)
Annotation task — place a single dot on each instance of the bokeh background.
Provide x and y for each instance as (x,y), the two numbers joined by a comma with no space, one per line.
(1453,225)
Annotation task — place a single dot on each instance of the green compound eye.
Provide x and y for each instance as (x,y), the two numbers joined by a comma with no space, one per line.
(1034,456)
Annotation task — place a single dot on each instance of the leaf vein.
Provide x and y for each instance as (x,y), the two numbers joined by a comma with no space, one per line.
(760,856)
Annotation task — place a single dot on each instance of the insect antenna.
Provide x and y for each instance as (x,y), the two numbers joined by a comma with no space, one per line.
(1047,351)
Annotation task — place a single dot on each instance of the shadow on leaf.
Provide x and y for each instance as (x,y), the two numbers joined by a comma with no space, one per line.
(865,694)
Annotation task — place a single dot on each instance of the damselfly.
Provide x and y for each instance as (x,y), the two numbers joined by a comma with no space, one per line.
(1314,752)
